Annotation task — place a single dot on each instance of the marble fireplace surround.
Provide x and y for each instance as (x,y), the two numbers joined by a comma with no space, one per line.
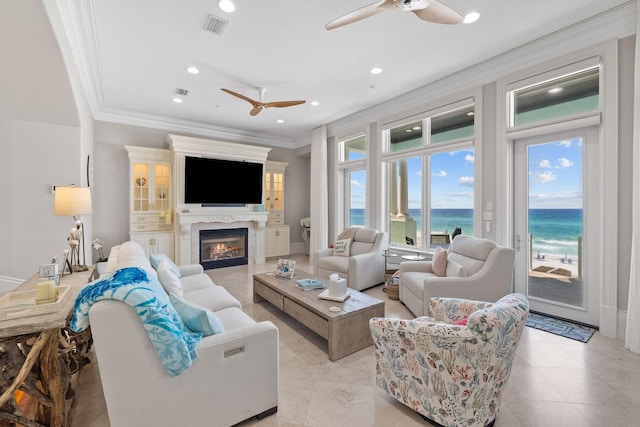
(191,223)
(190,218)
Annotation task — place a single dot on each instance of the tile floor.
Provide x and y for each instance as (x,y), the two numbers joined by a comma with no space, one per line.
(555,381)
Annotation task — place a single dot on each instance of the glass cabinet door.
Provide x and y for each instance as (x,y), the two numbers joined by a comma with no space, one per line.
(161,186)
(278,191)
(140,184)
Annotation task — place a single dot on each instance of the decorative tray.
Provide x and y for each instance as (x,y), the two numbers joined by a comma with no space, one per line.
(325,295)
(18,304)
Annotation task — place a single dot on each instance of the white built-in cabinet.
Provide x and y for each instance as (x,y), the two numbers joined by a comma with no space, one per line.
(276,232)
(151,209)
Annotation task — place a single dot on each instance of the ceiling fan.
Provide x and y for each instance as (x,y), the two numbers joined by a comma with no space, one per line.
(428,10)
(259,105)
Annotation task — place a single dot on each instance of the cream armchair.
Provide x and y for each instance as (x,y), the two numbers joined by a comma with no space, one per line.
(453,375)
(476,269)
(363,266)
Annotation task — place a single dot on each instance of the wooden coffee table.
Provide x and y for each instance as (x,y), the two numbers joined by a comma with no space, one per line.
(346,331)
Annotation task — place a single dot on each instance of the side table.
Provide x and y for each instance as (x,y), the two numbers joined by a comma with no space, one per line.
(39,355)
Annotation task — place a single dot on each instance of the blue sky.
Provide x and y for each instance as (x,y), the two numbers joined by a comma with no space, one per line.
(451,182)
(555,178)
(555,175)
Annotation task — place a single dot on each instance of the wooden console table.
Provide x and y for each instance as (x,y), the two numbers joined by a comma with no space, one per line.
(38,355)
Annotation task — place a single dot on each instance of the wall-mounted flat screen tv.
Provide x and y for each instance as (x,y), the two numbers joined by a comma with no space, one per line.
(222,182)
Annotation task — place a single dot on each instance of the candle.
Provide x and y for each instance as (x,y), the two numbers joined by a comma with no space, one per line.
(46,292)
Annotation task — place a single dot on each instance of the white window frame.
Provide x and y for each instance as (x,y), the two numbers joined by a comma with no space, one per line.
(425,150)
(607,56)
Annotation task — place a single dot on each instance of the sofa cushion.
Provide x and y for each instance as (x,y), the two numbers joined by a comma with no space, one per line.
(472,247)
(366,235)
(470,265)
(212,297)
(155,260)
(341,247)
(455,270)
(234,318)
(195,282)
(168,279)
(439,262)
(196,318)
(131,254)
(339,264)
(414,281)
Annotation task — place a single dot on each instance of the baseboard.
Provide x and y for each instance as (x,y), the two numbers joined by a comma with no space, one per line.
(7,284)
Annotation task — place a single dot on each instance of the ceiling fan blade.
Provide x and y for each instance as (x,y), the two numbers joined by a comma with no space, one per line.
(283,103)
(255,110)
(439,13)
(249,100)
(357,15)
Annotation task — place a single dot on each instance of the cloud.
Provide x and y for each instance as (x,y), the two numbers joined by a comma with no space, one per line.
(566,143)
(440,174)
(544,163)
(564,163)
(355,183)
(470,158)
(543,177)
(467,181)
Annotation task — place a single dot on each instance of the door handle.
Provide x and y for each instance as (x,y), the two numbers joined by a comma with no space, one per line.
(517,243)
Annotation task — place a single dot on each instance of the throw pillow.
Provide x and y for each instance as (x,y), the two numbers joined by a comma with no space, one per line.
(196,318)
(155,262)
(461,322)
(341,247)
(439,262)
(168,279)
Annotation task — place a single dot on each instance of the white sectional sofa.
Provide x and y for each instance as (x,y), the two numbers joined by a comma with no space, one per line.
(234,378)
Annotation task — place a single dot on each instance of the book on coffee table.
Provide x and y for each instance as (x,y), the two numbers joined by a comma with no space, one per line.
(309,284)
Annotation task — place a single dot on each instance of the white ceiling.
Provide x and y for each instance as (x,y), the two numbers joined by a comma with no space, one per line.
(133,54)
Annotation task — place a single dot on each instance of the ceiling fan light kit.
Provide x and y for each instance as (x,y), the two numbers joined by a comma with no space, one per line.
(427,10)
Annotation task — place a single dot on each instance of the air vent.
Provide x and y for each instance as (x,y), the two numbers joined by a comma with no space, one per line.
(215,25)
(183,92)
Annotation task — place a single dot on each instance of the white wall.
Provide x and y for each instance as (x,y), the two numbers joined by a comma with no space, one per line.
(35,156)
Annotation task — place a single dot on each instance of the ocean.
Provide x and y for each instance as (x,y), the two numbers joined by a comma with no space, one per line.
(554,232)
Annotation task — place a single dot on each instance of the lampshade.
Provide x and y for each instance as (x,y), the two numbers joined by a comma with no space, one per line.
(71,201)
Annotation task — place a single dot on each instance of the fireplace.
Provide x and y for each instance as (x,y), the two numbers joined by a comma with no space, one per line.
(223,247)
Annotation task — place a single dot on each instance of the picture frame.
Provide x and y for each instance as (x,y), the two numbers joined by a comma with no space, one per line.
(285,268)
(65,263)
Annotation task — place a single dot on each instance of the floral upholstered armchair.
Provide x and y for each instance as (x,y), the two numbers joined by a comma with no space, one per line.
(451,373)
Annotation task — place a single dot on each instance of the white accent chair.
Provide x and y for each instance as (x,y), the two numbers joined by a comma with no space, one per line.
(477,269)
(364,267)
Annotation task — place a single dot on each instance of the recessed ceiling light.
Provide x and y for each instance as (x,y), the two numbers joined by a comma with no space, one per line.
(416,128)
(177,100)
(376,70)
(471,113)
(408,130)
(280,121)
(315,103)
(193,70)
(471,17)
(555,90)
(226,6)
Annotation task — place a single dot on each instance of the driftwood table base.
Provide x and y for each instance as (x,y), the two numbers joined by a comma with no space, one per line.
(38,356)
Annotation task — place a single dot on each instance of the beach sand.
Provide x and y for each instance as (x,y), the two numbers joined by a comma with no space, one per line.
(554,264)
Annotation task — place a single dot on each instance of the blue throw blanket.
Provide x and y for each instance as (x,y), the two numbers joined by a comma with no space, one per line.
(174,343)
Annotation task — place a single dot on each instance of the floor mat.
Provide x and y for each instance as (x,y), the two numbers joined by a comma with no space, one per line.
(560,327)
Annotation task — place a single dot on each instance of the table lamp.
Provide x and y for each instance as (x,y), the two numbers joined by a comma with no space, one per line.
(74,201)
